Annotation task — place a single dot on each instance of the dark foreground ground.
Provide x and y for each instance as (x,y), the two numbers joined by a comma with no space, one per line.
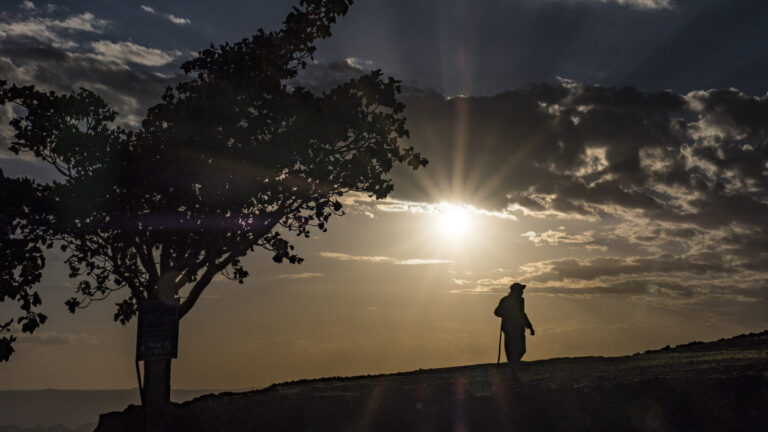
(67,410)
(715,386)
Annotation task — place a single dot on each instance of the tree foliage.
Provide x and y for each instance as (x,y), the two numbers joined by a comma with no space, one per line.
(229,161)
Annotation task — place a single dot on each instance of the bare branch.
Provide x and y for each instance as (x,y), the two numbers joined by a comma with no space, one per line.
(148,262)
(198,288)
(165,258)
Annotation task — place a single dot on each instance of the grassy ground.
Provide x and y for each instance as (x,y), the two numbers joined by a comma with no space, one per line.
(715,386)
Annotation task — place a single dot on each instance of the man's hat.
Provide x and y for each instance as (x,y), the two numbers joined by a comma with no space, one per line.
(517,285)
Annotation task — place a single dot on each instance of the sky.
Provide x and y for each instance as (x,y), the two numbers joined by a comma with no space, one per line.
(611,154)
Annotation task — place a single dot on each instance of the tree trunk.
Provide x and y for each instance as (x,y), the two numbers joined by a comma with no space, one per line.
(157,394)
(157,383)
(161,322)
(157,371)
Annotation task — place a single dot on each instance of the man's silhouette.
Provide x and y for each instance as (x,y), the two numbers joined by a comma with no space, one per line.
(514,321)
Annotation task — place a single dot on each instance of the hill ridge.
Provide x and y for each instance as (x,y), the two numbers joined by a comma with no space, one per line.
(719,385)
(757,336)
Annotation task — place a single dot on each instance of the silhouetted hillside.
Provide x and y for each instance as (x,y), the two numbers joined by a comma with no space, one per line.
(715,386)
(67,410)
(749,341)
(86,427)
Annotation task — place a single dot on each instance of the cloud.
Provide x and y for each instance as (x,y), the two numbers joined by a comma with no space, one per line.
(170,17)
(599,267)
(28,5)
(420,261)
(54,31)
(359,63)
(383,259)
(59,53)
(711,282)
(671,189)
(583,152)
(128,52)
(554,238)
(128,90)
(347,257)
(365,204)
(85,22)
(634,4)
(299,276)
(640,5)
(179,20)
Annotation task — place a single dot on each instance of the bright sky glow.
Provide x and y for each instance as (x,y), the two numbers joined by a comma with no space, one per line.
(453,221)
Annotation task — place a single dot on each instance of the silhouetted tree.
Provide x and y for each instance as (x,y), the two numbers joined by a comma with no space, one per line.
(22,233)
(219,168)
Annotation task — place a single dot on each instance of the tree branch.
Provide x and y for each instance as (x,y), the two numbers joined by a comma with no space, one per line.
(148,262)
(198,288)
(214,267)
(190,267)
(165,258)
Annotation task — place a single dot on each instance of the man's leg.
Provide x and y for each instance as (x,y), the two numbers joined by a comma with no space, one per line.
(512,349)
(508,348)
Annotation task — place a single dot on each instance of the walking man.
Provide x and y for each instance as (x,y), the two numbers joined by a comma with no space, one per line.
(514,321)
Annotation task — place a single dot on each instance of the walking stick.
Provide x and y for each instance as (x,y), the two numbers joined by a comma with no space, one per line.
(498,357)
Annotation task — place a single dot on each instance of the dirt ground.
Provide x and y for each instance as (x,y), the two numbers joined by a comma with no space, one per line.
(715,386)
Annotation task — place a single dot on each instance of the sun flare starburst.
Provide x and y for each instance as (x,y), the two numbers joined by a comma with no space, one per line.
(453,221)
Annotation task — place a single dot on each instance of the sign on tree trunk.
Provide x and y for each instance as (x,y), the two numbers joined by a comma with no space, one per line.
(158,329)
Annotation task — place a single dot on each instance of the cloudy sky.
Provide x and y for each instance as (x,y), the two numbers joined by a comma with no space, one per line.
(612,154)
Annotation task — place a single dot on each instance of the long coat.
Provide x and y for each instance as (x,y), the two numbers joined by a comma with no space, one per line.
(511,309)
(514,321)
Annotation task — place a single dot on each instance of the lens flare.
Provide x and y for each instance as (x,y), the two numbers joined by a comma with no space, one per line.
(453,222)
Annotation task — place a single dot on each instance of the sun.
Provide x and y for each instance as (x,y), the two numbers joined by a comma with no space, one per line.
(453,221)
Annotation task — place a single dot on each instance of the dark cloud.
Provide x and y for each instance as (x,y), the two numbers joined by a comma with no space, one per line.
(62,51)
(590,269)
(587,151)
(671,188)
(704,282)
(749,248)
(627,287)
(719,299)
(128,90)
(482,48)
